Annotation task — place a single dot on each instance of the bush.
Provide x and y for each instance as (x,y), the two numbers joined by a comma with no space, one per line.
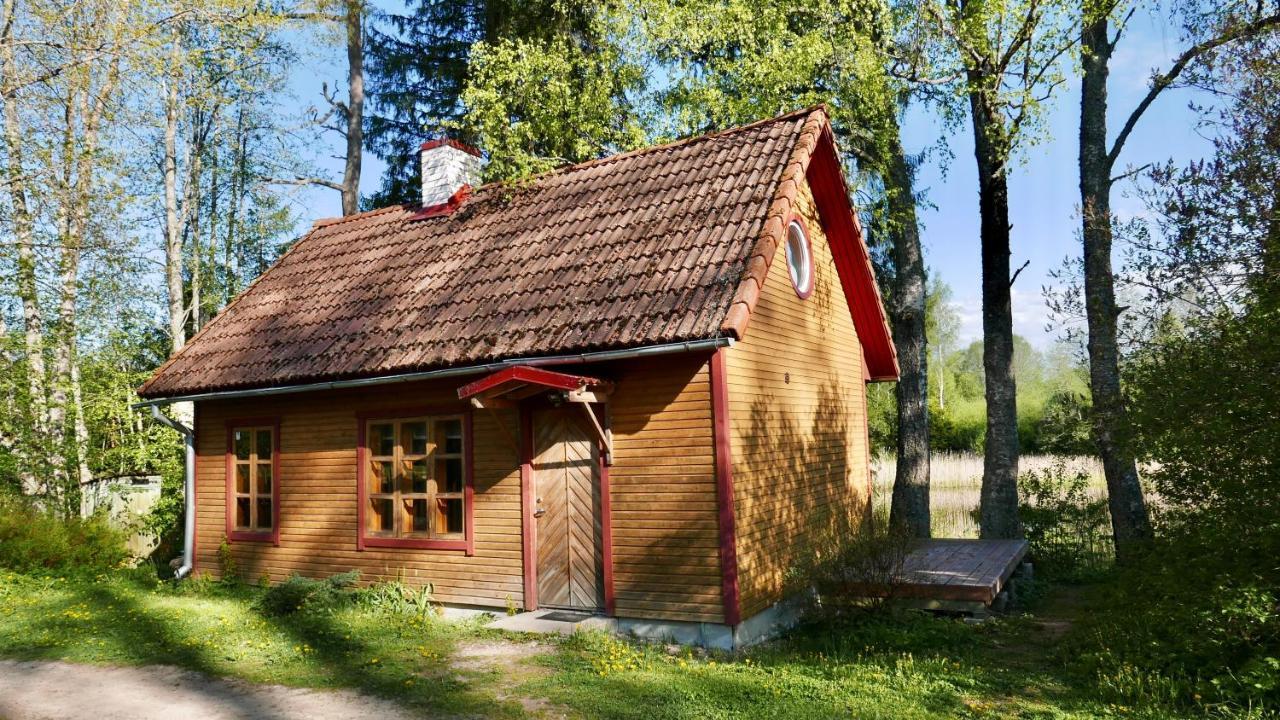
(396,597)
(1068,533)
(865,555)
(1197,619)
(298,593)
(33,539)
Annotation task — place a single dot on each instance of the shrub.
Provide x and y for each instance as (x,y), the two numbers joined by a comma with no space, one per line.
(396,597)
(298,593)
(1067,531)
(1198,617)
(864,555)
(35,539)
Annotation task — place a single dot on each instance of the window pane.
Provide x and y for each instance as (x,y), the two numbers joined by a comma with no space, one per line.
(383,478)
(382,516)
(449,435)
(413,438)
(241,443)
(416,479)
(264,513)
(242,477)
(264,477)
(450,472)
(449,516)
(242,512)
(419,518)
(264,445)
(382,440)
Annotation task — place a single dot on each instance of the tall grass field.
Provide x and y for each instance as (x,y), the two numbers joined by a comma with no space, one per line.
(956,484)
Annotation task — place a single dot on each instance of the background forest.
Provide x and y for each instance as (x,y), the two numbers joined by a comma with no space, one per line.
(154,154)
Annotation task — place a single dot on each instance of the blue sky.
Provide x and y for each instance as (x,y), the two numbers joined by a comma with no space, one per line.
(1043,184)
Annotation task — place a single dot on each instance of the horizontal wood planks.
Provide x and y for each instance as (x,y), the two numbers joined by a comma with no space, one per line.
(797,422)
(952,570)
(665,536)
(665,547)
(317,482)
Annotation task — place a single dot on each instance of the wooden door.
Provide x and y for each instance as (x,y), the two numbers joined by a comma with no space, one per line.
(566,472)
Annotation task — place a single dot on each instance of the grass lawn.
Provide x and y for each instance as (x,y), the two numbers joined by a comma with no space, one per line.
(881,666)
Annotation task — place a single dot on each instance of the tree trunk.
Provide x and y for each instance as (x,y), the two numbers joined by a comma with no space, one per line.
(999,512)
(1129,520)
(172,220)
(25,271)
(355,107)
(910,509)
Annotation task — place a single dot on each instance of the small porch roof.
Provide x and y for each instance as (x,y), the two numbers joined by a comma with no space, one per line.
(518,382)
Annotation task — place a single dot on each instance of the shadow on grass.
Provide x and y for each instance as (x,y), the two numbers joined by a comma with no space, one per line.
(373,653)
(412,669)
(137,636)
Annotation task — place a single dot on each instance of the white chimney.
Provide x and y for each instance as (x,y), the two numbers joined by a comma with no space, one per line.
(448,165)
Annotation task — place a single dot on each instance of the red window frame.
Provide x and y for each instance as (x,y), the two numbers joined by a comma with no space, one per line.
(234,535)
(363,540)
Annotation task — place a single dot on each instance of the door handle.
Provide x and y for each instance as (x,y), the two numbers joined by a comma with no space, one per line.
(539,511)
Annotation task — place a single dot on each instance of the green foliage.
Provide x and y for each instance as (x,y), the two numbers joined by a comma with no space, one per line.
(1067,529)
(1198,618)
(861,552)
(298,593)
(535,104)
(397,597)
(1064,427)
(35,539)
(227,562)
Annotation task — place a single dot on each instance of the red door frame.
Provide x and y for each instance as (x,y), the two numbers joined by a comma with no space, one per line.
(529,525)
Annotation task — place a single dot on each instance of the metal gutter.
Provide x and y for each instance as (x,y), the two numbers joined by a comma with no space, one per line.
(188,490)
(578,359)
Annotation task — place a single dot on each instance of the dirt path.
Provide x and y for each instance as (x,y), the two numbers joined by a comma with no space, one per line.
(55,690)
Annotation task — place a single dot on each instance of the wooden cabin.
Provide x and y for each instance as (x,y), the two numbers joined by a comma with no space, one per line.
(633,386)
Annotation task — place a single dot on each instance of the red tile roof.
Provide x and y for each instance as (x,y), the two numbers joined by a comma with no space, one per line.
(648,247)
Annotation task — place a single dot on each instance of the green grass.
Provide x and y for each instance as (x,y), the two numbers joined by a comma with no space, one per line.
(874,666)
(118,620)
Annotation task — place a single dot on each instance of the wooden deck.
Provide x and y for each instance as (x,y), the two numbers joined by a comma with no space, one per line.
(953,571)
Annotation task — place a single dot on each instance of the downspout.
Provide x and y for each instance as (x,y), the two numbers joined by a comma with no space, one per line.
(188,490)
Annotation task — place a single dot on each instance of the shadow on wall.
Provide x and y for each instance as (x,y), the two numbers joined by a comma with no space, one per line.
(798,489)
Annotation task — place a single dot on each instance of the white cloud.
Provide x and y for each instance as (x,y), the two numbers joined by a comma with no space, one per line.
(1030,316)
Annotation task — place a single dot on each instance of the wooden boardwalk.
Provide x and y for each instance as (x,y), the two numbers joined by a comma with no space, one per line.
(952,573)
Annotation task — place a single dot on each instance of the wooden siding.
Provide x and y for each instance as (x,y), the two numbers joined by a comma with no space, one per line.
(317,480)
(666,560)
(797,421)
(663,493)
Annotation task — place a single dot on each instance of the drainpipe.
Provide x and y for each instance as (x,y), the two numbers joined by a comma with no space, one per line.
(188,490)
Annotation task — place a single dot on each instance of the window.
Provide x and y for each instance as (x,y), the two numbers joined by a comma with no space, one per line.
(253,493)
(415,478)
(799,261)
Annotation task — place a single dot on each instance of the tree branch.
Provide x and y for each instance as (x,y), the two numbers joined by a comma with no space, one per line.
(303,181)
(1018,272)
(1160,82)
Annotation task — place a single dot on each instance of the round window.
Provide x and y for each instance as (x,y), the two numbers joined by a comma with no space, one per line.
(799,263)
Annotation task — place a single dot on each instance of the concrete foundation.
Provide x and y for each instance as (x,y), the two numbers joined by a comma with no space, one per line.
(713,636)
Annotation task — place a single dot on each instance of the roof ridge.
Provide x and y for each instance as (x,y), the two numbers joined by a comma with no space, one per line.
(680,142)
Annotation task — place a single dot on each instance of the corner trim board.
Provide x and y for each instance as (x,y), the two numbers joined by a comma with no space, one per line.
(528,528)
(729,590)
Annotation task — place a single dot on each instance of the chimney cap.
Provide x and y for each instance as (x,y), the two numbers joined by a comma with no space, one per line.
(440,142)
